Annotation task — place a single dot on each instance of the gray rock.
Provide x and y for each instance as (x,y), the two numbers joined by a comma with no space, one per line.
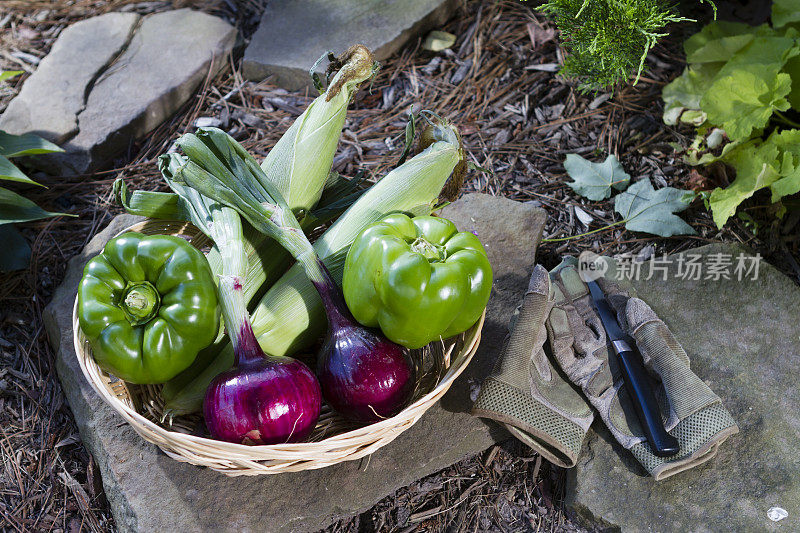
(53,96)
(743,339)
(294,33)
(148,491)
(163,62)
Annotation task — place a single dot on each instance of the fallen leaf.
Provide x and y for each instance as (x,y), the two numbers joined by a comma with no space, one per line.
(594,180)
(583,216)
(539,34)
(653,211)
(436,41)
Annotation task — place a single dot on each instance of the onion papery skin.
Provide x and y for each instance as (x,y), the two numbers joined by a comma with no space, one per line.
(364,377)
(271,400)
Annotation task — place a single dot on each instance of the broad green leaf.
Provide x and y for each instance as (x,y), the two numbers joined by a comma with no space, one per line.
(16,250)
(755,167)
(788,163)
(765,55)
(719,40)
(8,74)
(785,12)
(792,68)
(594,180)
(16,208)
(645,209)
(9,171)
(685,91)
(25,144)
(745,100)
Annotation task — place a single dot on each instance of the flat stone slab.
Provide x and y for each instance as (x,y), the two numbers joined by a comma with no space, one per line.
(112,79)
(52,98)
(293,34)
(148,491)
(743,339)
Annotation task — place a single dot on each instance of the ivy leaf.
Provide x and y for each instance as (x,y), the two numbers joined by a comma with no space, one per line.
(16,208)
(16,250)
(755,169)
(784,12)
(594,180)
(745,100)
(25,144)
(645,209)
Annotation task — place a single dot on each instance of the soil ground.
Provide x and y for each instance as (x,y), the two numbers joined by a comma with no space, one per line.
(519,120)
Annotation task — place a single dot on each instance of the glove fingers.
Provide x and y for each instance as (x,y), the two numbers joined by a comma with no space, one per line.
(559,330)
(638,314)
(527,333)
(526,393)
(570,281)
(540,298)
(664,356)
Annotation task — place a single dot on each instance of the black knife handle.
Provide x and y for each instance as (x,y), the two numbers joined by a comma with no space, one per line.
(644,401)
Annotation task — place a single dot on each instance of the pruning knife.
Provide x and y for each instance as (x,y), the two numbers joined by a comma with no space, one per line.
(635,377)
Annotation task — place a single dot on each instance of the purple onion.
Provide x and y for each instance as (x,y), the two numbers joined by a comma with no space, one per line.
(263,399)
(364,376)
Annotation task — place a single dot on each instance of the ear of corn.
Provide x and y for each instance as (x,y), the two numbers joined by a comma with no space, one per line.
(299,166)
(308,147)
(290,316)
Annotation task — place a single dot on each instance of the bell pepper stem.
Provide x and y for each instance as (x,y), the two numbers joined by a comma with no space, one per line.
(140,302)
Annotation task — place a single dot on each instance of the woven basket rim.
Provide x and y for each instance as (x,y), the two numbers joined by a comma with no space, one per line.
(452,373)
(241,459)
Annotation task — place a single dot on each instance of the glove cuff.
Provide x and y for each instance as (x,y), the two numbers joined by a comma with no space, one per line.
(699,435)
(555,437)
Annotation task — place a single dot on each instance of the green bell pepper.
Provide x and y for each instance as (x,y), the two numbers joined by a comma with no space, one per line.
(419,279)
(147,305)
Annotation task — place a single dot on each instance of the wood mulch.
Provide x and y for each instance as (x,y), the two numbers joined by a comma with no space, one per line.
(519,120)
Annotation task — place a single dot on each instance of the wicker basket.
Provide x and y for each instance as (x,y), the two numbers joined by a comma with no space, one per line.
(334,439)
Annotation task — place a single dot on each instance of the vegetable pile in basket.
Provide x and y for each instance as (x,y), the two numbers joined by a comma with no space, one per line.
(148,305)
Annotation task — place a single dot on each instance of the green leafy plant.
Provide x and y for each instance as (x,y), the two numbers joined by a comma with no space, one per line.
(15,207)
(608,40)
(740,89)
(641,206)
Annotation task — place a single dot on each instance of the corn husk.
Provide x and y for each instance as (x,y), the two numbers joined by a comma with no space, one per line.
(300,162)
(299,167)
(290,316)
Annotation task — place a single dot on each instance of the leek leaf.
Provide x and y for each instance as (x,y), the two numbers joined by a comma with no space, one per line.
(17,208)
(26,144)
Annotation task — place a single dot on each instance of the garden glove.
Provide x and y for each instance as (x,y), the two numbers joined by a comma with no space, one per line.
(526,393)
(692,412)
